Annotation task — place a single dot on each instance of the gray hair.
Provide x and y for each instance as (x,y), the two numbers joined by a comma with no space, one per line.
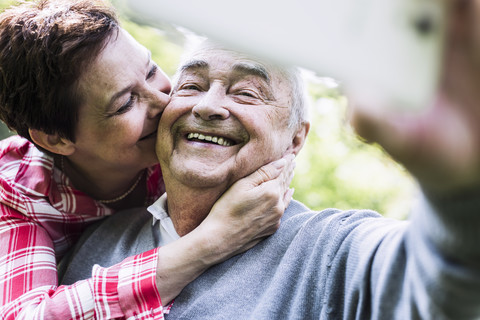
(298,93)
(292,75)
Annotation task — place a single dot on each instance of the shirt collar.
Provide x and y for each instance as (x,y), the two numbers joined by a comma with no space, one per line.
(159,209)
(167,232)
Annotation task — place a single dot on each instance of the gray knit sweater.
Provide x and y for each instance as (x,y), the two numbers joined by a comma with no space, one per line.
(322,265)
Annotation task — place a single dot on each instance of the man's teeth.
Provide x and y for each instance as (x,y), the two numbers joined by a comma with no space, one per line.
(218,140)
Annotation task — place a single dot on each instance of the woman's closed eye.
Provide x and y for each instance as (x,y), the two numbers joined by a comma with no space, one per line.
(127,105)
(153,70)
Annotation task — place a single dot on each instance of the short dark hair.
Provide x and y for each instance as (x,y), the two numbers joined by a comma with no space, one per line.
(44,47)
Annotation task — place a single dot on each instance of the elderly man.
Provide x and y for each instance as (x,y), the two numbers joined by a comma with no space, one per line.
(229,115)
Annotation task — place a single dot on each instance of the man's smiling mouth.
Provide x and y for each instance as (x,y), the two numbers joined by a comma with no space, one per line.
(222,141)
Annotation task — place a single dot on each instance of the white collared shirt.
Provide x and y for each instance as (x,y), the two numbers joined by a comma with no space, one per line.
(159,212)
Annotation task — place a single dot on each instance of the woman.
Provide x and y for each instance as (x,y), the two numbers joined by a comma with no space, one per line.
(85,99)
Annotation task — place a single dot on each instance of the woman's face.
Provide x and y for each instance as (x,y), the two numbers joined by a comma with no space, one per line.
(123,95)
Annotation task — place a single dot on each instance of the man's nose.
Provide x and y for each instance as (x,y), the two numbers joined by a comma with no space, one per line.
(212,106)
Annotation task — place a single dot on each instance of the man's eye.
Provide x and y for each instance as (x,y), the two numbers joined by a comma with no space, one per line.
(246,94)
(152,71)
(190,87)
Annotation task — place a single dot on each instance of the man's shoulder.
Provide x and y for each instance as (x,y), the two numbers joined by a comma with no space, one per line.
(299,211)
(107,242)
(123,226)
(331,225)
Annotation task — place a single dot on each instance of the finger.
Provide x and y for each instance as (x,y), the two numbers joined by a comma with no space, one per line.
(435,146)
(375,125)
(267,232)
(267,172)
(287,197)
(287,174)
(277,190)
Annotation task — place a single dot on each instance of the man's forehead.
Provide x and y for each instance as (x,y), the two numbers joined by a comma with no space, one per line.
(227,61)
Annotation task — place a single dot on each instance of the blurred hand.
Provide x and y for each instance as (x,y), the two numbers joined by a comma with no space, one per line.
(440,147)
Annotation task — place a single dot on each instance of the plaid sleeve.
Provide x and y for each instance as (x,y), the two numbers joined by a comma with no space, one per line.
(128,289)
(28,286)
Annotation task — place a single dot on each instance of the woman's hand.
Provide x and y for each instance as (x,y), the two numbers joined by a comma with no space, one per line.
(250,210)
(247,213)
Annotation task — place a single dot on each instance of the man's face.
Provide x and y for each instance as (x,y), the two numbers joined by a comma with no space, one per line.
(227,117)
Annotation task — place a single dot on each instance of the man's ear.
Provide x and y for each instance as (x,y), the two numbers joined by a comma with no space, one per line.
(299,138)
(52,142)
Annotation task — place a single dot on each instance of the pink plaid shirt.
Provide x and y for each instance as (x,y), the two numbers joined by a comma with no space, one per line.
(41,216)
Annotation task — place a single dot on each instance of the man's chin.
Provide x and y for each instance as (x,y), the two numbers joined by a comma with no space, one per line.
(202,180)
(192,175)
(205,171)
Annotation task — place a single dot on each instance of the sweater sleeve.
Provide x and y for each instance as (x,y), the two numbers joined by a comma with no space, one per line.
(444,245)
(425,268)
(451,224)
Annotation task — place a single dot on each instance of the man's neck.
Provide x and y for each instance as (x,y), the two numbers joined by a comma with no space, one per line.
(188,207)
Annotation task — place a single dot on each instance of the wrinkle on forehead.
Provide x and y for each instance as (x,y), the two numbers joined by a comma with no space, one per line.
(242,67)
(194,65)
(209,49)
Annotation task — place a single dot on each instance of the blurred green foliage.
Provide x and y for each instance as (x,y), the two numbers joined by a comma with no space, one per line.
(334,169)
(6,3)
(337,169)
(164,52)
(4,131)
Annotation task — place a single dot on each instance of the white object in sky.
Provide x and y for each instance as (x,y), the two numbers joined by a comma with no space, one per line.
(385,51)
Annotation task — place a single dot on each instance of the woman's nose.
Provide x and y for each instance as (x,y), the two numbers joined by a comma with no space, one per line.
(158,100)
(159,95)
